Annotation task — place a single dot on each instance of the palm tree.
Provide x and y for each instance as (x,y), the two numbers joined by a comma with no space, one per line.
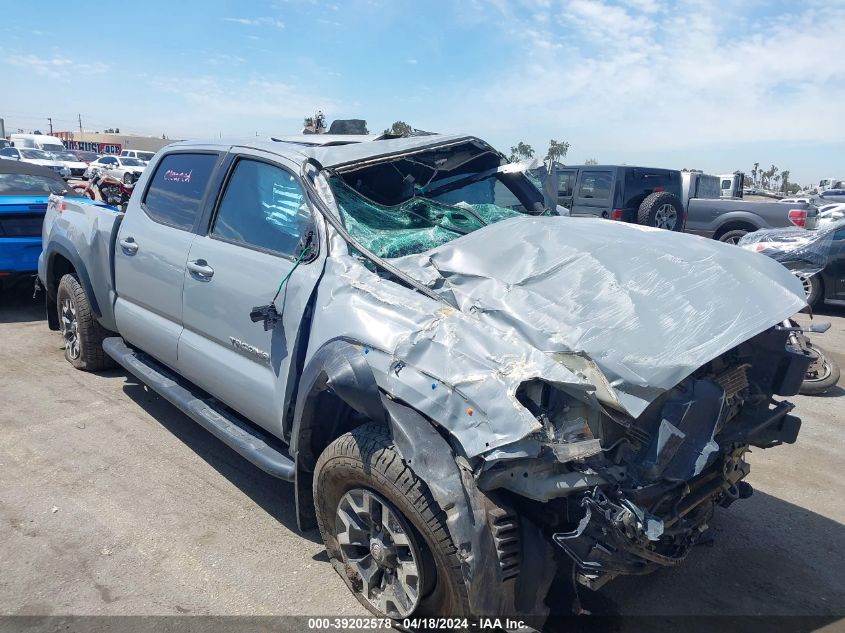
(784,176)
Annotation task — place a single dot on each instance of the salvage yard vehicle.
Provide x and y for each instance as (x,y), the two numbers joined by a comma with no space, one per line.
(729,219)
(37,141)
(140,155)
(121,167)
(817,258)
(640,195)
(71,161)
(466,391)
(24,192)
(35,157)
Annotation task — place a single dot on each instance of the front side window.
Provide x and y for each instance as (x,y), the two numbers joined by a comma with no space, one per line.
(595,184)
(8,151)
(263,207)
(177,188)
(565,183)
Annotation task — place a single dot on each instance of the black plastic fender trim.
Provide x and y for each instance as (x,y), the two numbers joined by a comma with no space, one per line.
(59,246)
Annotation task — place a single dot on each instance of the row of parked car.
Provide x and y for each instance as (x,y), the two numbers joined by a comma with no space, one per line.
(49,152)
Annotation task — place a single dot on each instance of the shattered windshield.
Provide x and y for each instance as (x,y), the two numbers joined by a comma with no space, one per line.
(413,204)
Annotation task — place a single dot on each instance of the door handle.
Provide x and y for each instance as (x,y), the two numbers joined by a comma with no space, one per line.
(129,245)
(200,269)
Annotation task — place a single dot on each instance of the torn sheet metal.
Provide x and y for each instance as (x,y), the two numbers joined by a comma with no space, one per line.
(606,311)
(648,307)
(441,361)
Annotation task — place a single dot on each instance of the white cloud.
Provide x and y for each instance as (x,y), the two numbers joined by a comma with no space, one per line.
(197,104)
(611,77)
(55,67)
(263,21)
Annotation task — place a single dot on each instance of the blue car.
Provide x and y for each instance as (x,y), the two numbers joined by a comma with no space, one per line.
(24,191)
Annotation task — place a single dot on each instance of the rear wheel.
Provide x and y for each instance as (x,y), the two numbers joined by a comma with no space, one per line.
(732,237)
(384,531)
(80,329)
(662,210)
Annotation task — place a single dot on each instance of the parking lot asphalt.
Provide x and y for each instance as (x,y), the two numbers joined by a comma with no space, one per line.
(112,502)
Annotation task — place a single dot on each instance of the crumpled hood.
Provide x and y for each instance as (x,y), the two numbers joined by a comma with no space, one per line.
(634,310)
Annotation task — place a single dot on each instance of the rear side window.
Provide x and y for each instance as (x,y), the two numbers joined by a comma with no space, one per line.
(595,184)
(176,190)
(263,207)
(640,183)
(28,184)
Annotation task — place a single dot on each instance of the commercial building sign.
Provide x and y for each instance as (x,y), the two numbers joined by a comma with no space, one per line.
(90,146)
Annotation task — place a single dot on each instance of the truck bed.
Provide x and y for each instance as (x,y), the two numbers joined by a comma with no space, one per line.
(711,217)
(80,230)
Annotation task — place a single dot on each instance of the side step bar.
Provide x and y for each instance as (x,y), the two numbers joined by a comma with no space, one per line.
(225,426)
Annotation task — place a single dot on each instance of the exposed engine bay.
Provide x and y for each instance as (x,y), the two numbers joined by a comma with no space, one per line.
(623,495)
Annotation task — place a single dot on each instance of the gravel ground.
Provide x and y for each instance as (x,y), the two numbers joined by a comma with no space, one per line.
(112,502)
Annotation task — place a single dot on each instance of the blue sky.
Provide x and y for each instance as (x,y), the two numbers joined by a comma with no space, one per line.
(706,84)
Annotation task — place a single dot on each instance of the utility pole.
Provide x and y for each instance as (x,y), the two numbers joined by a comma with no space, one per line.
(50,121)
(79,116)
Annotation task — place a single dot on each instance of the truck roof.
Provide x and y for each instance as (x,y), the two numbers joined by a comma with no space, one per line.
(331,150)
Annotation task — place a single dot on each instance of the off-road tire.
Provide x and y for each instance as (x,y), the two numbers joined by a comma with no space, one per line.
(733,237)
(90,332)
(365,457)
(650,207)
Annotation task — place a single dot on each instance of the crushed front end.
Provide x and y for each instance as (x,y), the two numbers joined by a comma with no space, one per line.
(625,496)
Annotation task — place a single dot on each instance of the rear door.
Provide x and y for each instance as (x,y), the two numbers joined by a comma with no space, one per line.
(251,245)
(152,251)
(593,193)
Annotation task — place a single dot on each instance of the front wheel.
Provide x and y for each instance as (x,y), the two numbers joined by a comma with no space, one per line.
(822,374)
(80,329)
(383,530)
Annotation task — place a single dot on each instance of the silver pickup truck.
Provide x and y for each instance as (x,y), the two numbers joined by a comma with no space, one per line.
(468,394)
(728,219)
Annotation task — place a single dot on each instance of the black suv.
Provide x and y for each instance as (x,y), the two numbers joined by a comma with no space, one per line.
(642,195)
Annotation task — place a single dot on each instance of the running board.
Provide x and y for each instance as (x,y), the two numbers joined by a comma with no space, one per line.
(224,425)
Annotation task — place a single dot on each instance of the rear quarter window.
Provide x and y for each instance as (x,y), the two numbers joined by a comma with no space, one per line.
(176,190)
(640,183)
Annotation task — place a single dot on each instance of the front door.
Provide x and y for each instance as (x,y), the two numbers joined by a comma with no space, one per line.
(152,250)
(565,186)
(252,244)
(593,194)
